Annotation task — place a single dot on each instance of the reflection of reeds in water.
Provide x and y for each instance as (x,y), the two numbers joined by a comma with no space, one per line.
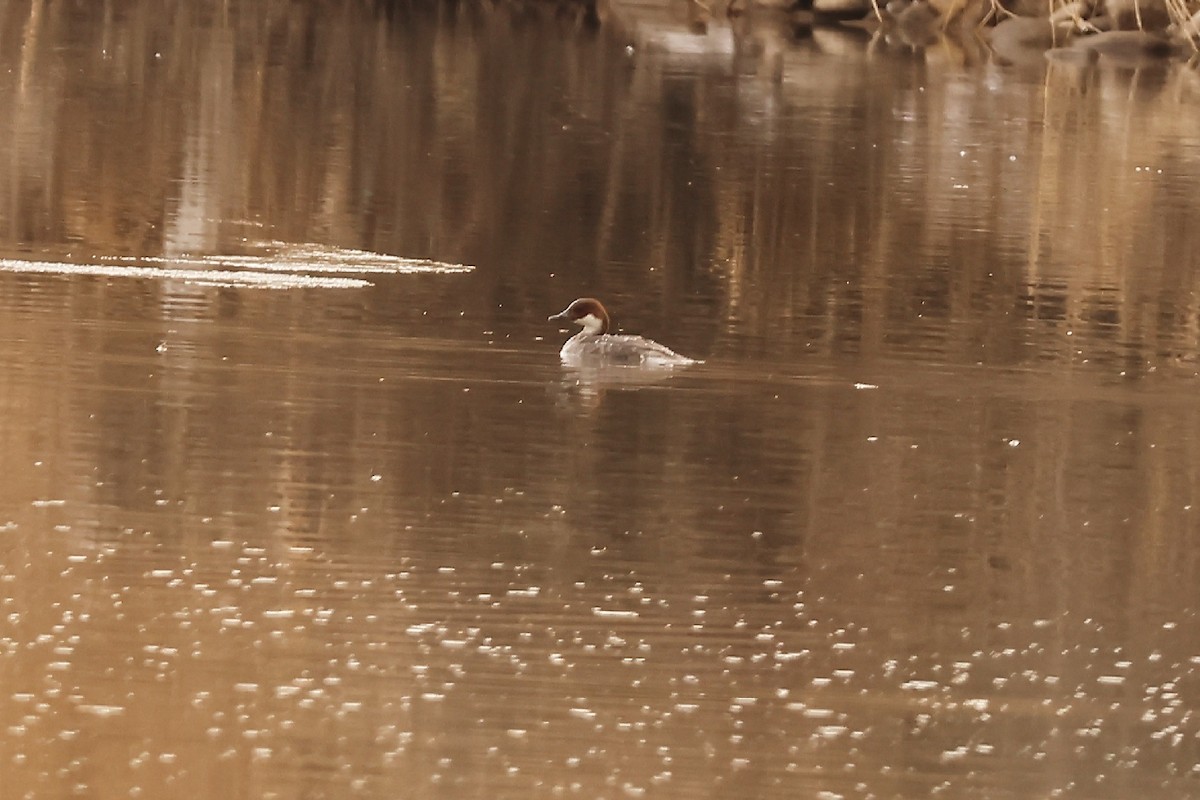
(1104,218)
(943,207)
(858,206)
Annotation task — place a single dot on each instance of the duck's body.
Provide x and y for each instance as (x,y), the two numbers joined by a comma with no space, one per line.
(608,349)
(594,346)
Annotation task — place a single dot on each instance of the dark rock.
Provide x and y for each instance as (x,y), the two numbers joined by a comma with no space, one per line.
(837,10)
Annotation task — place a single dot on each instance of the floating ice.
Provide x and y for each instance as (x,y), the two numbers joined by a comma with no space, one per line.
(279,266)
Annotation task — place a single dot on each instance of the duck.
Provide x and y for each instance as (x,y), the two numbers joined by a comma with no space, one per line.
(594,346)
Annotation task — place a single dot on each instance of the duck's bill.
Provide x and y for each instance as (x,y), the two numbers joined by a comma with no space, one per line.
(559,315)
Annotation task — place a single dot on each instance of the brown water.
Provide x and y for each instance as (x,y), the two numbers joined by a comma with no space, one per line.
(924,523)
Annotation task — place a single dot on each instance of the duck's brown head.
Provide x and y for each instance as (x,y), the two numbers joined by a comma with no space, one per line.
(587,312)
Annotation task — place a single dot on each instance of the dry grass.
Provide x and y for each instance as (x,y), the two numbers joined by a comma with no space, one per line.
(1185,20)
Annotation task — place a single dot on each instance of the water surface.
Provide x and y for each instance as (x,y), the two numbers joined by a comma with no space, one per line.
(922,525)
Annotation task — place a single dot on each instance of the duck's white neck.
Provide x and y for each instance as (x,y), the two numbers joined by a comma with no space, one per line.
(591,324)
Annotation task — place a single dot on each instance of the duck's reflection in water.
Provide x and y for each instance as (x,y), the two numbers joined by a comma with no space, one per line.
(589,384)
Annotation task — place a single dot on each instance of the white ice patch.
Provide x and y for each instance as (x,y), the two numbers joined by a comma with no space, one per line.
(281,266)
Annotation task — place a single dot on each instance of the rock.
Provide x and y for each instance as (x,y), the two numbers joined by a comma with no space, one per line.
(1026,8)
(914,24)
(1022,39)
(1139,15)
(1128,47)
(1075,17)
(972,10)
(836,10)
(840,41)
(1072,56)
